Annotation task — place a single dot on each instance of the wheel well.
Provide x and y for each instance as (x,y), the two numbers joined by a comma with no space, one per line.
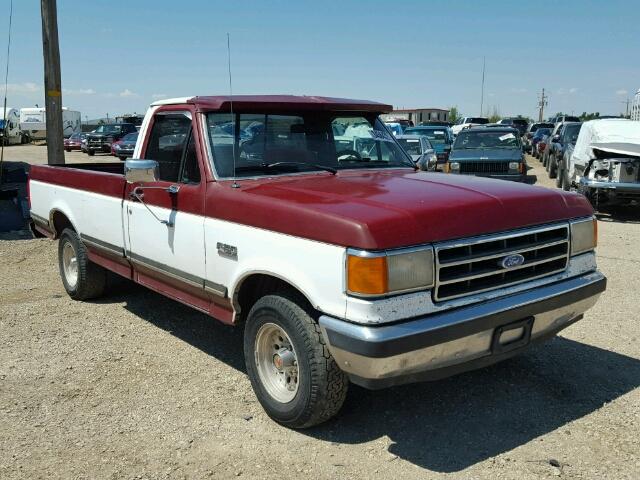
(59,222)
(258,285)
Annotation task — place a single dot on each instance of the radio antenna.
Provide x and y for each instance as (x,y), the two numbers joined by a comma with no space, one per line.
(233,118)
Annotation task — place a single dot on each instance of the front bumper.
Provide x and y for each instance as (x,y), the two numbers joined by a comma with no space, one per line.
(516,177)
(613,193)
(444,344)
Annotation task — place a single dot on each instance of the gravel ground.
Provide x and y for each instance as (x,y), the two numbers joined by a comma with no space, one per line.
(137,386)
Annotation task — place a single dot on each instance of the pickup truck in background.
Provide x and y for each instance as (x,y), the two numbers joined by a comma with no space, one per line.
(101,138)
(339,259)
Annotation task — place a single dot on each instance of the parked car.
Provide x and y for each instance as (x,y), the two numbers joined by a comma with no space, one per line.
(494,152)
(338,266)
(568,140)
(555,131)
(566,135)
(420,150)
(467,122)
(440,137)
(531,130)
(101,138)
(541,135)
(436,123)
(74,142)
(124,147)
(605,163)
(518,123)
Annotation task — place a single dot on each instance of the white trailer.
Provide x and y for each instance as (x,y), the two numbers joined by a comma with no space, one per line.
(635,107)
(10,133)
(33,121)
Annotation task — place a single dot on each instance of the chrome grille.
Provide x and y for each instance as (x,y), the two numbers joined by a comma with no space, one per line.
(468,266)
(484,167)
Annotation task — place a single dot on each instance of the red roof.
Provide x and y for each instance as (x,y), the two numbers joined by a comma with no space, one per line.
(288,102)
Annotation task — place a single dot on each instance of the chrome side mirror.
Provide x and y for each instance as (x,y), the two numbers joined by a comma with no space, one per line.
(136,171)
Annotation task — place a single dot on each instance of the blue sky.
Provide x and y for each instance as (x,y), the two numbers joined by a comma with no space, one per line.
(118,56)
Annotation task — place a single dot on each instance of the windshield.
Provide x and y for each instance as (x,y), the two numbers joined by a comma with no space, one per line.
(571,132)
(271,144)
(130,137)
(411,145)
(474,140)
(108,129)
(437,136)
(519,121)
(542,132)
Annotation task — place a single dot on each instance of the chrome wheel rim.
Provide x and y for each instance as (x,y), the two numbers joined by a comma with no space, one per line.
(276,362)
(70,264)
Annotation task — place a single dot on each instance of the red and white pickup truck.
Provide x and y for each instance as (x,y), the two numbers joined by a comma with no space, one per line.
(302,220)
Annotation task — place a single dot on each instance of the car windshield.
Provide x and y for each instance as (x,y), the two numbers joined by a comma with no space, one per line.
(130,137)
(75,136)
(542,132)
(271,144)
(571,132)
(437,136)
(411,145)
(2,124)
(519,121)
(108,129)
(469,140)
(478,120)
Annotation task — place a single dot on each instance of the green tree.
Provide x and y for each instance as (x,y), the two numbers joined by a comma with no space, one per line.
(454,115)
(495,115)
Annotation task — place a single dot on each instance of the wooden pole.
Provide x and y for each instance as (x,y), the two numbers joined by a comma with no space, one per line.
(52,82)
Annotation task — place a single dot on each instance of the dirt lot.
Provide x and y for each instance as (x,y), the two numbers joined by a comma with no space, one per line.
(138,386)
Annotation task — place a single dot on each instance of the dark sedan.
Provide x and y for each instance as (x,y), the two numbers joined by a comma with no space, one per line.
(539,142)
(494,152)
(124,148)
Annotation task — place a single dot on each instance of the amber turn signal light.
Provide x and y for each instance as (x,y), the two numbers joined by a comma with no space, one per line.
(367,275)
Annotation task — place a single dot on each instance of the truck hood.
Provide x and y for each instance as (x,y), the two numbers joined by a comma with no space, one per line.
(378,209)
(486,154)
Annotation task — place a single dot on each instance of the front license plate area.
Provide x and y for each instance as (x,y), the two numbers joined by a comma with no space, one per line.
(511,336)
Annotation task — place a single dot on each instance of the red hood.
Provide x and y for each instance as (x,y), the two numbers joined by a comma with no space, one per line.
(391,208)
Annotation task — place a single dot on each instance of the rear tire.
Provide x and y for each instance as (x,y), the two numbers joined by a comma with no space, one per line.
(122,159)
(82,279)
(281,332)
(91,153)
(560,177)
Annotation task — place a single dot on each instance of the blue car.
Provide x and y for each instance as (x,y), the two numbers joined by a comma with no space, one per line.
(440,138)
(494,152)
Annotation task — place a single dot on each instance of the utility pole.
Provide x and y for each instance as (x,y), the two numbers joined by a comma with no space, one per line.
(482,90)
(626,102)
(541,104)
(52,82)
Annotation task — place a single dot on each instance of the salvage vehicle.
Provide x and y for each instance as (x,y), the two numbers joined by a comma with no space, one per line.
(531,130)
(420,150)
(567,134)
(440,137)
(550,144)
(494,152)
(340,260)
(467,122)
(125,147)
(101,138)
(605,162)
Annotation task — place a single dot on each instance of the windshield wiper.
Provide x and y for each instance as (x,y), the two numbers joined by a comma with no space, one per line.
(326,168)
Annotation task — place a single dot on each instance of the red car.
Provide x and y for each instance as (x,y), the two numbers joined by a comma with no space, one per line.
(74,142)
(117,142)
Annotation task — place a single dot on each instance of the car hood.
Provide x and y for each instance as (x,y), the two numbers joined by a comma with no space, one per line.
(486,154)
(380,209)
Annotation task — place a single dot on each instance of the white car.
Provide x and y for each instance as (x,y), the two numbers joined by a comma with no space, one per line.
(466,122)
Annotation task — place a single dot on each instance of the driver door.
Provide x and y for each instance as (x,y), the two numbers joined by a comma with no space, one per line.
(165,229)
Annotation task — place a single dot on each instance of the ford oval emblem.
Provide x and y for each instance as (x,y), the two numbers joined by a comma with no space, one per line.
(511,261)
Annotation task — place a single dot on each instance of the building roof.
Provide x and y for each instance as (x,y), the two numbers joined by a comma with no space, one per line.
(419,109)
(278,102)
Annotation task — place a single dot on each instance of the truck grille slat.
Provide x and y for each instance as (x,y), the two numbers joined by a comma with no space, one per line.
(484,167)
(473,265)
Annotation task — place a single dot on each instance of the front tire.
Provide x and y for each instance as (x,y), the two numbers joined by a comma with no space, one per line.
(295,378)
(91,153)
(82,279)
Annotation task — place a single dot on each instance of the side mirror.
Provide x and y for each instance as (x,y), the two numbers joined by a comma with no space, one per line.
(556,138)
(136,171)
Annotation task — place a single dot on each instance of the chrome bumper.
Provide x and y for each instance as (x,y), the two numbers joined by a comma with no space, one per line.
(624,186)
(454,341)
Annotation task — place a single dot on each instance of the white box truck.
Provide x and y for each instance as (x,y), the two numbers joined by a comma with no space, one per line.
(33,121)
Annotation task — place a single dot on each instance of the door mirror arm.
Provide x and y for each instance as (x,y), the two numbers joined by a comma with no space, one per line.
(138,194)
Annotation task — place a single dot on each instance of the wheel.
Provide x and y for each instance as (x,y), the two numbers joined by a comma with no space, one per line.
(292,373)
(553,168)
(122,159)
(91,153)
(82,279)
(560,177)
(566,183)
(67,149)
(545,160)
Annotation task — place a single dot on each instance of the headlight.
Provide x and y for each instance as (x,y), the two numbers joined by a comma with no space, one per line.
(371,274)
(584,235)
(514,165)
(454,165)
(116,146)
